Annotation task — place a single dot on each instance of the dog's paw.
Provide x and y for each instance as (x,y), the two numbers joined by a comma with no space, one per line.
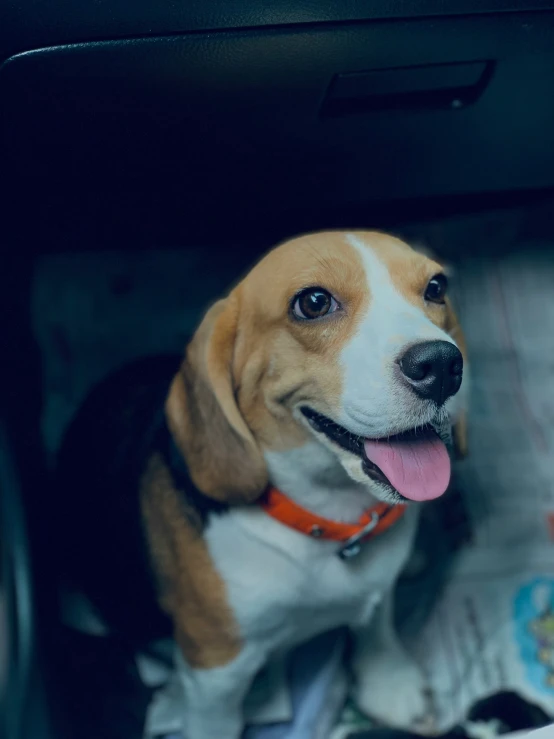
(392,691)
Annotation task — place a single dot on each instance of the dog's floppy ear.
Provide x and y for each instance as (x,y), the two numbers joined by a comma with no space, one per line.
(222,456)
(454,329)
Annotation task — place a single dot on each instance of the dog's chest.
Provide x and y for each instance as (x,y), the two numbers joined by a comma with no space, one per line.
(284,587)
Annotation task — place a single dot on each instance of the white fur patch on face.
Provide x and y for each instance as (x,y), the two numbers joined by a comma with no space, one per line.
(375,401)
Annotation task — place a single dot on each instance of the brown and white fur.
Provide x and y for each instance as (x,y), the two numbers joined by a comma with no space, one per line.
(240,586)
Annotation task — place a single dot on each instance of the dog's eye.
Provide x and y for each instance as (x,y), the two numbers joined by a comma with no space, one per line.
(436,289)
(314,302)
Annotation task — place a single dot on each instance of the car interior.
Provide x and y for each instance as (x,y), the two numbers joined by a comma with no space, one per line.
(150,152)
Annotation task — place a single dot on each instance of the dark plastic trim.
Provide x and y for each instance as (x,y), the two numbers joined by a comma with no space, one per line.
(27,24)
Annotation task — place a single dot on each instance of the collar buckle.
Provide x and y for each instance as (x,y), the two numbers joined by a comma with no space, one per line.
(353,546)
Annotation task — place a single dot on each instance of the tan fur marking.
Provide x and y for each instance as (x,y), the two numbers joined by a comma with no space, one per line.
(191,590)
(281,362)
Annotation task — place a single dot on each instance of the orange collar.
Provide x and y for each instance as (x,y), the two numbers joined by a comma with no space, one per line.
(372,522)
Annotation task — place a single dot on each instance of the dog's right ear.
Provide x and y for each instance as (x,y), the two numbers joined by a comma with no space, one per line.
(222,456)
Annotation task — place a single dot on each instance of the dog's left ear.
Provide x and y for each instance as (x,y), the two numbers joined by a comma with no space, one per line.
(454,330)
(222,456)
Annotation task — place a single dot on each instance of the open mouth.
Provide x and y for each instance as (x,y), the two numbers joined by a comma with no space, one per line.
(414,465)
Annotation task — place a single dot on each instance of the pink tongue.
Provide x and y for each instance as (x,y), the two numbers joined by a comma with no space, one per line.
(418,467)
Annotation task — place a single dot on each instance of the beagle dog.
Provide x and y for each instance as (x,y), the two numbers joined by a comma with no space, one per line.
(278,494)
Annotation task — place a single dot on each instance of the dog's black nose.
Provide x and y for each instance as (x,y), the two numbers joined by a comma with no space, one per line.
(434,369)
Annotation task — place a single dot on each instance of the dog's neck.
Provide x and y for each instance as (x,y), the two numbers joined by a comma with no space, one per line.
(312,476)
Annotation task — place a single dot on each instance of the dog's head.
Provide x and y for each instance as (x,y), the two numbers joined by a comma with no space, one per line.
(346,337)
